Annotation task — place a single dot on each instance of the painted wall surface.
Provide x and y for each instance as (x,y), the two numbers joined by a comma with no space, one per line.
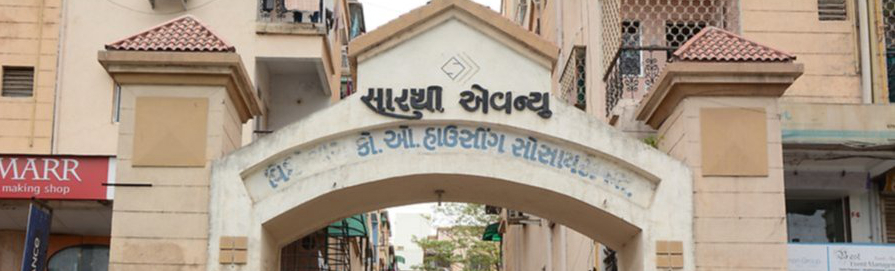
(544,245)
(828,49)
(29,36)
(166,225)
(82,129)
(499,68)
(837,123)
(407,227)
(293,97)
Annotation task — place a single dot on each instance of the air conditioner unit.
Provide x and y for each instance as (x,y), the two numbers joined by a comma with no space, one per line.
(168,5)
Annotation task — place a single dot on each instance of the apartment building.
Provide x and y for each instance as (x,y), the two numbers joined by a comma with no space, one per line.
(223,134)
(60,113)
(836,119)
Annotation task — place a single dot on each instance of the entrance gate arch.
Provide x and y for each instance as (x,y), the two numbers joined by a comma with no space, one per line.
(365,153)
(619,192)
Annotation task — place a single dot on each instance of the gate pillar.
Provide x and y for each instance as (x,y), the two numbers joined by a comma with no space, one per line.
(722,120)
(178,112)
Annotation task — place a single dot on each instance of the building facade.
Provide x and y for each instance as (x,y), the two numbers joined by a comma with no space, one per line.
(227,135)
(408,227)
(60,112)
(835,119)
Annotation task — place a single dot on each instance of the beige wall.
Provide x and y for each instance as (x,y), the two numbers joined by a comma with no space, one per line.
(166,225)
(29,31)
(533,246)
(739,222)
(86,91)
(828,49)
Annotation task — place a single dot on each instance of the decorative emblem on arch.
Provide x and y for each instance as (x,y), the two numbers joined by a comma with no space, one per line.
(460,68)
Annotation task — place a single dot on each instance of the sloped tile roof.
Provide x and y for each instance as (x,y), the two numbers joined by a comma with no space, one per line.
(183,34)
(717,45)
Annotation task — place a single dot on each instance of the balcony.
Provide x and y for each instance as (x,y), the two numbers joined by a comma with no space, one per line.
(300,59)
(645,35)
(310,15)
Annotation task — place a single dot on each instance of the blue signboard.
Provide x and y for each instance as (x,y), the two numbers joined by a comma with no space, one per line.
(36,239)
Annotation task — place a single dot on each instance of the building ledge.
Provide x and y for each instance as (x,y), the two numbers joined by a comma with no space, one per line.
(186,68)
(277,28)
(680,80)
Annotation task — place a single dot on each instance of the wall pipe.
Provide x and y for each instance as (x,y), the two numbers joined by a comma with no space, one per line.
(864,36)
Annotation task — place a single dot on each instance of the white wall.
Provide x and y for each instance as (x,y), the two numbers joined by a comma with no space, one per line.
(293,97)
(405,227)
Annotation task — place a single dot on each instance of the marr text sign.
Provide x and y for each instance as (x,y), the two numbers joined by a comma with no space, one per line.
(55,177)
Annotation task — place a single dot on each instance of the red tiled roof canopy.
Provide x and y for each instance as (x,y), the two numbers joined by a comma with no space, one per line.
(715,44)
(183,34)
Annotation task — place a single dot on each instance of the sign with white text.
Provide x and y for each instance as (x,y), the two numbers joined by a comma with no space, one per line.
(55,177)
(841,257)
(37,239)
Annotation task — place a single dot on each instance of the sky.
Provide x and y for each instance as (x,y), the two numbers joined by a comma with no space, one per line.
(379,12)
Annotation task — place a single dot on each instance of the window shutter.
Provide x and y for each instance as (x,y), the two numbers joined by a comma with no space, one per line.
(889,218)
(18,81)
(831,10)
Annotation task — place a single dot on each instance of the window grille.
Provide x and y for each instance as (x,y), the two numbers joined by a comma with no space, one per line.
(888,203)
(678,33)
(18,81)
(639,37)
(686,17)
(832,10)
(572,81)
(888,10)
(630,59)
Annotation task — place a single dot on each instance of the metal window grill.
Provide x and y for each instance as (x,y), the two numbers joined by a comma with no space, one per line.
(888,10)
(832,10)
(644,35)
(572,81)
(18,82)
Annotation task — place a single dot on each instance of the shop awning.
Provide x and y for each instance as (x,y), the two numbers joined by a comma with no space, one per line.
(492,233)
(353,226)
(399,259)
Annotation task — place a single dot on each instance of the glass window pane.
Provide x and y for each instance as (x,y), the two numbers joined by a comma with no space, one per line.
(80,258)
(816,221)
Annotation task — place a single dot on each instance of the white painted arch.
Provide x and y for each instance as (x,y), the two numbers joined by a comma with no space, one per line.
(331,180)
(630,196)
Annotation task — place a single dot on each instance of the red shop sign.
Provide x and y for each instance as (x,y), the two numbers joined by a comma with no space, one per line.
(55,177)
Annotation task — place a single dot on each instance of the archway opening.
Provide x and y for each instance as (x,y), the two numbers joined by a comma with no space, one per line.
(283,232)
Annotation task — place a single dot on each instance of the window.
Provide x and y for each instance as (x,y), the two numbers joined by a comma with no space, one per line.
(18,81)
(831,10)
(817,221)
(80,258)
(521,9)
(629,58)
(677,33)
(888,10)
(116,103)
(888,203)
(572,82)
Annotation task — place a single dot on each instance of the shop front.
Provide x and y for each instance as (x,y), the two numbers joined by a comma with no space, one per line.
(78,189)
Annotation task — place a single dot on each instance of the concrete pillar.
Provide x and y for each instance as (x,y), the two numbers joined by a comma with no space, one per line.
(722,120)
(178,112)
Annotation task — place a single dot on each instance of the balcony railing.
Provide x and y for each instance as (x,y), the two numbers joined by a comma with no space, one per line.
(632,72)
(646,32)
(312,12)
